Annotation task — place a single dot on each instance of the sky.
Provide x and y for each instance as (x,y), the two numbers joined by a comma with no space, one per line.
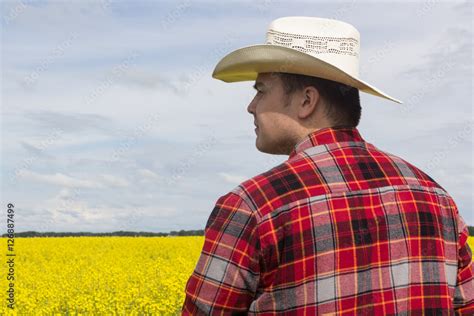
(110,119)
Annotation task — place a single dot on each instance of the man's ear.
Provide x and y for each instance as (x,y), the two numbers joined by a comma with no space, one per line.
(310,98)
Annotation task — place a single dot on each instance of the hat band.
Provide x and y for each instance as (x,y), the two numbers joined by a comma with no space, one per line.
(314,45)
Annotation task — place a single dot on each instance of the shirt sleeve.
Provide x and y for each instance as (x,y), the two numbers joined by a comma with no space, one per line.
(464,290)
(227,273)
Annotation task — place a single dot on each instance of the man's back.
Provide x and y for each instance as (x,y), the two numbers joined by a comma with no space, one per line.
(341,227)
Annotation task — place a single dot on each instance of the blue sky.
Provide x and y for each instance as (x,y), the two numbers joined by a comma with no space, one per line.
(111,120)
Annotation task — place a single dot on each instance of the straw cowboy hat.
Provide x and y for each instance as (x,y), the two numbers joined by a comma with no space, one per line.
(309,46)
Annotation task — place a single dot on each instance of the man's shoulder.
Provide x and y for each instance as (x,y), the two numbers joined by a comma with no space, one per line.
(321,172)
(405,169)
(265,189)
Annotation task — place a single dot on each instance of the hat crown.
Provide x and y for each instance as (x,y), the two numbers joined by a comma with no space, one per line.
(333,41)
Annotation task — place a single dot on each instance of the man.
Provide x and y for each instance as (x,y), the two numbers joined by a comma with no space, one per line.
(341,227)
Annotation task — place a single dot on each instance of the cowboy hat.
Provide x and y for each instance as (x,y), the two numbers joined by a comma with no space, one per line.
(309,46)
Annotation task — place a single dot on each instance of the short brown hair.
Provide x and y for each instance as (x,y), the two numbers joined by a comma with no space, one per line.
(343,102)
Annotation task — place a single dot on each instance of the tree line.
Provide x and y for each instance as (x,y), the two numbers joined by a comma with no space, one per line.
(182,232)
(199,232)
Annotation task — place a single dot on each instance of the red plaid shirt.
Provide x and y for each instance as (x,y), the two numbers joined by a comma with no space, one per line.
(342,228)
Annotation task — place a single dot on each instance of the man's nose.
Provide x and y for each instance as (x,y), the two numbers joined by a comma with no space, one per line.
(251,107)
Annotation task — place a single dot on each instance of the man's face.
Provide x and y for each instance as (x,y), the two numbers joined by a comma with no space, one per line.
(275,120)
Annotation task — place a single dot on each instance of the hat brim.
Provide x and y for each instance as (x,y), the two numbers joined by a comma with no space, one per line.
(246,63)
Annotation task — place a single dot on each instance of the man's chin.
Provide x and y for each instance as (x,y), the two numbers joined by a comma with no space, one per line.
(268,149)
(261,147)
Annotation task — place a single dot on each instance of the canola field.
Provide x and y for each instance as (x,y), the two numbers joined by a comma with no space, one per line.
(102,275)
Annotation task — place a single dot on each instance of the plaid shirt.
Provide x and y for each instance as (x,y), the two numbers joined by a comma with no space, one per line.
(342,228)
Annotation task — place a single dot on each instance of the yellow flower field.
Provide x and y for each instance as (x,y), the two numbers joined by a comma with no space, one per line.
(102,275)
(470,241)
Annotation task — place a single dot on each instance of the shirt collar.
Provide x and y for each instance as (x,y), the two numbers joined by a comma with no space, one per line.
(326,135)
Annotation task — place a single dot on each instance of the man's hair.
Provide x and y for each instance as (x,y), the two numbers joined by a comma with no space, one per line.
(342,101)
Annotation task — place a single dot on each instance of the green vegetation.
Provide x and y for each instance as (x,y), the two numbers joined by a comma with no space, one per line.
(117,233)
(182,232)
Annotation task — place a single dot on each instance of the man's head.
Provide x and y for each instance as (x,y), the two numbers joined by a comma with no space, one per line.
(287,107)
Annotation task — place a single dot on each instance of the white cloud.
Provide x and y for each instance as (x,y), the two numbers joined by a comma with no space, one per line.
(70,210)
(232,178)
(60,179)
(113,181)
(147,174)
(171,76)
